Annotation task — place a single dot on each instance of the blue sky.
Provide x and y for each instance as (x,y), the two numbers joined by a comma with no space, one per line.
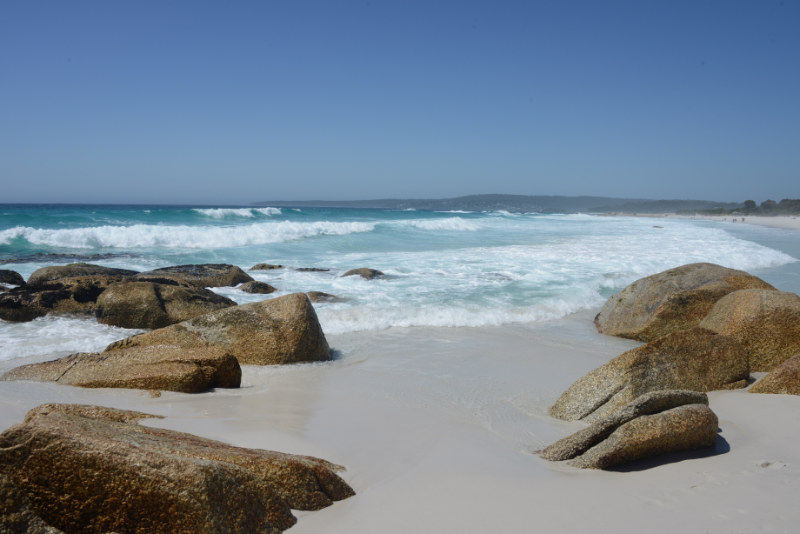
(233,102)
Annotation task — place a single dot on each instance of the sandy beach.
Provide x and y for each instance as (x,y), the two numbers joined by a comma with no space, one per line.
(779,221)
(437,428)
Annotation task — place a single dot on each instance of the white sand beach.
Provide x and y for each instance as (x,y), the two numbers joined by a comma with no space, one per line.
(779,221)
(437,428)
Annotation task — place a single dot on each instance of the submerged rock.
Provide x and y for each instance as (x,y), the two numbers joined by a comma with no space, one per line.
(673,300)
(276,331)
(695,359)
(784,379)
(150,305)
(265,267)
(766,323)
(160,367)
(364,272)
(95,470)
(256,287)
(11,277)
(655,423)
(201,275)
(320,296)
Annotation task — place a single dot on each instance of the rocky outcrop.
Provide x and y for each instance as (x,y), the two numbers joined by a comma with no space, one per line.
(265,267)
(256,287)
(655,423)
(201,275)
(76,270)
(766,323)
(160,367)
(16,512)
(11,277)
(364,272)
(76,295)
(695,359)
(94,470)
(276,331)
(670,301)
(784,379)
(150,305)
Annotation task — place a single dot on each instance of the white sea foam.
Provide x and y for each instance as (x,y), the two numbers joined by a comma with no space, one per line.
(52,337)
(222,213)
(450,224)
(182,236)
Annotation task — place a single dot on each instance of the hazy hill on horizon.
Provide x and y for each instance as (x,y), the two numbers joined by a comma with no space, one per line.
(519,203)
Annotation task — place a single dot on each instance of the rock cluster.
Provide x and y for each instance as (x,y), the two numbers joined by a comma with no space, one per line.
(75,468)
(706,327)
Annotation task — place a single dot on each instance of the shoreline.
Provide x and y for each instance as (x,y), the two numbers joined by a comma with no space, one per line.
(437,428)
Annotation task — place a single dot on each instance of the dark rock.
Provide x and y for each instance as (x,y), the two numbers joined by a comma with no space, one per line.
(319,296)
(150,305)
(766,323)
(16,512)
(695,359)
(312,270)
(260,288)
(265,267)
(202,275)
(364,272)
(161,367)
(673,300)
(784,379)
(94,470)
(275,331)
(11,277)
(76,295)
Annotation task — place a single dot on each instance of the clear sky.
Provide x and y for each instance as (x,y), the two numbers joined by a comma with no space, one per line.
(233,102)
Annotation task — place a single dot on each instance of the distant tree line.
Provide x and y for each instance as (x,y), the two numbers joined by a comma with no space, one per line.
(787,206)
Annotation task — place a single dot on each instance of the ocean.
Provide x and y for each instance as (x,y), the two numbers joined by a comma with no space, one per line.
(442,269)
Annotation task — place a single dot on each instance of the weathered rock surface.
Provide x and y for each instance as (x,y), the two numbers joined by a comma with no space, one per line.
(92,469)
(265,267)
(276,331)
(673,300)
(11,277)
(16,512)
(783,379)
(320,296)
(695,359)
(160,367)
(766,323)
(364,272)
(201,275)
(76,295)
(655,423)
(647,404)
(76,270)
(256,287)
(150,305)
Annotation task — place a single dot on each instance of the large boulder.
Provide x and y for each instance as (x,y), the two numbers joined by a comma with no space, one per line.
(655,423)
(695,359)
(783,379)
(673,300)
(77,295)
(11,277)
(766,323)
(201,275)
(95,470)
(150,305)
(16,512)
(161,367)
(277,331)
(76,270)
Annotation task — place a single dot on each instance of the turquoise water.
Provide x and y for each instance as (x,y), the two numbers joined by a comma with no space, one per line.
(449,269)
